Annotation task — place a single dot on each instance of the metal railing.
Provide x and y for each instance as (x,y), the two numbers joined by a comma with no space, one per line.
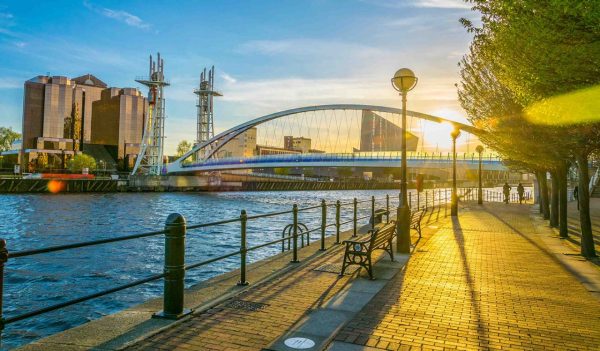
(174,232)
(341,157)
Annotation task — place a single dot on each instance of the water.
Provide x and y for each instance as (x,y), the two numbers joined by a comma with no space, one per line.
(34,221)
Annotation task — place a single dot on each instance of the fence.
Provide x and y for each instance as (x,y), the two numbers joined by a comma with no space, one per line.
(176,228)
(175,231)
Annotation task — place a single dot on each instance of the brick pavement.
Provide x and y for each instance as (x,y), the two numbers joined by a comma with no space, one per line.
(482,282)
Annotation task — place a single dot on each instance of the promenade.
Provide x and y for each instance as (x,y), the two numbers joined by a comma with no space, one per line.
(483,281)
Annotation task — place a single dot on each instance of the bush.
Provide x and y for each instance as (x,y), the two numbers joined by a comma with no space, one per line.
(81,161)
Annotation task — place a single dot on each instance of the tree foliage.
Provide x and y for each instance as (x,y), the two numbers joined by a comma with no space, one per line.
(183,147)
(81,161)
(7,137)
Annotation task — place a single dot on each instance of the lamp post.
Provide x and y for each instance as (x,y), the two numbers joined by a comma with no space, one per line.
(479,150)
(454,205)
(404,80)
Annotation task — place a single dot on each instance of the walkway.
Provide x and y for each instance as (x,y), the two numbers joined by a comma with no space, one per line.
(480,282)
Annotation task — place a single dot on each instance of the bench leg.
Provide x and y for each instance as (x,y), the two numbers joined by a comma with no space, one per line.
(370,267)
(344,264)
(390,251)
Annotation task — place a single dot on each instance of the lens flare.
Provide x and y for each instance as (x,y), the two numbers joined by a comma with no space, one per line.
(56,186)
(577,107)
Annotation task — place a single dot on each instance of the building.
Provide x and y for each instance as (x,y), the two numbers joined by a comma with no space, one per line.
(301,144)
(58,121)
(243,145)
(262,150)
(118,125)
(379,134)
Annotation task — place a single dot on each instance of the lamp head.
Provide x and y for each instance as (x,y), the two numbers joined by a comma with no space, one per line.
(404,80)
(455,133)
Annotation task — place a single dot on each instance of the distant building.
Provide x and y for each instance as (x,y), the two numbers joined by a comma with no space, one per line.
(118,124)
(379,134)
(243,145)
(262,150)
(301,144)
(58,121)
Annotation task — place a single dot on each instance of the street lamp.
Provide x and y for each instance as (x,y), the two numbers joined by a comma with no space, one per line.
(479,150)
(404,80)
(454,201)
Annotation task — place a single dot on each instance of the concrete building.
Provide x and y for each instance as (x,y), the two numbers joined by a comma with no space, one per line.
(301,144)
(118,124)
(243,145)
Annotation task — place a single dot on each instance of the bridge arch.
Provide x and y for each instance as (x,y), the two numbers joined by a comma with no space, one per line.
(208,150)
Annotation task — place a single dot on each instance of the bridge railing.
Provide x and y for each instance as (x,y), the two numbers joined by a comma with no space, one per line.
(175,267)
(341,157)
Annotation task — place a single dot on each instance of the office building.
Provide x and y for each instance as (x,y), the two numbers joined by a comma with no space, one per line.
(379,134)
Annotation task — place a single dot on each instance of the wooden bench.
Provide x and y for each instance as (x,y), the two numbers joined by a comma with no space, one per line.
(415,220)
(379,216)
(359,252)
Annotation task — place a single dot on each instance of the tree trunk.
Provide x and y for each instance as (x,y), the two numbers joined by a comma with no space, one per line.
(563,199)
(554,200)
(544,200)
(587,239)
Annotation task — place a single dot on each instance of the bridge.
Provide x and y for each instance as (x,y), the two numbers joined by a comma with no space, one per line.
(346,135)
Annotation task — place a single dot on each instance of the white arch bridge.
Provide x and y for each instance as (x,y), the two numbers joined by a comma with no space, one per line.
(345,135)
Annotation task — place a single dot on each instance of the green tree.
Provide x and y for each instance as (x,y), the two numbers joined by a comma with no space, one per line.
(537,53)
(81,161)
(183,147)
(7,137)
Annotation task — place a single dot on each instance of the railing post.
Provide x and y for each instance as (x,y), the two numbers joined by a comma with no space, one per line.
(387,207)
(373,212)
(355,216)
(426,202)
(337,221)
(3,260)
(409,200)
(243,250)
(174,268)
(295,235)
(418,200)
(323,223)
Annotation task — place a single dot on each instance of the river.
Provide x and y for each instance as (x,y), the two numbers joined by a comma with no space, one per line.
(35,221)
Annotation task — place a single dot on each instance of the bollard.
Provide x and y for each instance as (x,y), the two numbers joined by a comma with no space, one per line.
(373,212)
(337,221)
(355,205)
(295,235)
(323,223)
(243,250)
(3,260)
(387,208)
(174,268)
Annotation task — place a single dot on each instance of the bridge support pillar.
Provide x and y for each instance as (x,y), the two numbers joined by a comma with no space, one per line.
(403,230)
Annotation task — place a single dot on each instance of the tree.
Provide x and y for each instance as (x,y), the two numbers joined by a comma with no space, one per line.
(7,137)
(537,53)
(183,147)
(81,161)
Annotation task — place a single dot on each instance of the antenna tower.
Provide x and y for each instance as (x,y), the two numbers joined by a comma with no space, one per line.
(205,129)
(150,158)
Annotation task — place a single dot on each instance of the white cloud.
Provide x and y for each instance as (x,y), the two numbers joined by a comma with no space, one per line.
(6,15)
(10,83)
(228,78)
(119,15)
(444,4)
(308,47)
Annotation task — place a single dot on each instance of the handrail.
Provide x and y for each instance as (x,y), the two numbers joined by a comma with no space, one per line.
(174,229)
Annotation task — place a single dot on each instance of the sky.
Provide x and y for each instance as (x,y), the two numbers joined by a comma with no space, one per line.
(269,55)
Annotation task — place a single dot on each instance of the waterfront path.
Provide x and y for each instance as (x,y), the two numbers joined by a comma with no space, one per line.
(486,280)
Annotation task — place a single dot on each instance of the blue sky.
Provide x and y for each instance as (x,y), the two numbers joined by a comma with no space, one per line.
(269,55)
